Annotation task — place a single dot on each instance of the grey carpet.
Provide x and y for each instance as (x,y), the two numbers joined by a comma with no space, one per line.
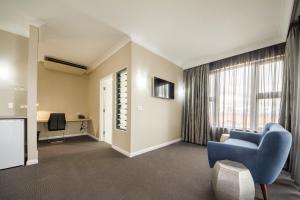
(82,168)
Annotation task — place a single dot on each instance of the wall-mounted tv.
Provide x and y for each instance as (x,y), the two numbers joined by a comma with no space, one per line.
(163,89)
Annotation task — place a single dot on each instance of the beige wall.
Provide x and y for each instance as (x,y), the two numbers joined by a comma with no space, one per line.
(61,92)
(13,74)
(157,123)
(116,62)
(159,120)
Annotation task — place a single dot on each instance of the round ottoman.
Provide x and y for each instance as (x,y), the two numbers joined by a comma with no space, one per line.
(232,181)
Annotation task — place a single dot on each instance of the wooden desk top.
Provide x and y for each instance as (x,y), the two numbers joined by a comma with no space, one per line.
(68,120)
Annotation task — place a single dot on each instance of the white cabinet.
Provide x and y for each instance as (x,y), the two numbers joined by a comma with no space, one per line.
(11,143)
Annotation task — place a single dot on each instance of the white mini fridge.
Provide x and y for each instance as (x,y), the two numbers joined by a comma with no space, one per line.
(11,142)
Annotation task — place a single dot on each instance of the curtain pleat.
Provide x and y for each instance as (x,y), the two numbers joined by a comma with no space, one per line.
(195,122)
(290,103)
(245,90)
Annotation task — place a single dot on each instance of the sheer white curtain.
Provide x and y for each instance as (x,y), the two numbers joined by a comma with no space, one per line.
(245,92)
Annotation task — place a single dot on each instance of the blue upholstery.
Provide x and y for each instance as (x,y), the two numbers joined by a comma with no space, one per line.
(264,154)
(241,143)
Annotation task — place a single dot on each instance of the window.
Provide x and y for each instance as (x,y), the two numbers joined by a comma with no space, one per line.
(270,77)
(121,118)
(247,95)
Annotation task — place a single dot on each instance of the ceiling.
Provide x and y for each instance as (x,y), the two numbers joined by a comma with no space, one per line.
(65,33)
(188,33)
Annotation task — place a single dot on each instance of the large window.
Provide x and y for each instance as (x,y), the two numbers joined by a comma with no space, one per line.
(247,95)
(121,118)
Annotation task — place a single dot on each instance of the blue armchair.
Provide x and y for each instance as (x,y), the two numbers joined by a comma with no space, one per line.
(264,154)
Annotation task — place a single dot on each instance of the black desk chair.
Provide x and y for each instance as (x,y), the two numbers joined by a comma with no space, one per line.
(57,122)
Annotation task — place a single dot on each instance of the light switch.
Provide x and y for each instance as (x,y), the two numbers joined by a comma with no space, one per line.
(10,105)
(22,106)
(140,108)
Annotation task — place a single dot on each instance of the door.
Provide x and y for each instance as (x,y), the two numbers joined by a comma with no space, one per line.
(106,109)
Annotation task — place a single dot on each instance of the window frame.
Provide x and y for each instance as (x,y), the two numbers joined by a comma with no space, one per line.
(118,101)
(254,99)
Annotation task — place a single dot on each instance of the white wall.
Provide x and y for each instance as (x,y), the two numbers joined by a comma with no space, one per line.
(13,74)
(116,62)
(18,82)
(159,121)
(32,96)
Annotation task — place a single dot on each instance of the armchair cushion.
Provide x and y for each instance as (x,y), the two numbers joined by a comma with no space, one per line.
(246,135)
(241,143)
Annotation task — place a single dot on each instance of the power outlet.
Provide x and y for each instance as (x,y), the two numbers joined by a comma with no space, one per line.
(10,105)
(140,108)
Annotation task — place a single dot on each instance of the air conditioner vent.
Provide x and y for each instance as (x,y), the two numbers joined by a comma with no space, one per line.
(64,66)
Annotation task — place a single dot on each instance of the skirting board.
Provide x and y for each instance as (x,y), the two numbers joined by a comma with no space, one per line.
(142,151)
(122,151)
(139,152)
(32,162)
(94,137)
(60,136)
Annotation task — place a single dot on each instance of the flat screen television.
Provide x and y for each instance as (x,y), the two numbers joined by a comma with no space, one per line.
(163,89)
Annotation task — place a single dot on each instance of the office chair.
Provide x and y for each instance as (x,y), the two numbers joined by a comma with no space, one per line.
(57,122)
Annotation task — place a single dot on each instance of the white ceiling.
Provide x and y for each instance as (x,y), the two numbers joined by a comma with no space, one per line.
(186,32)
(65,33)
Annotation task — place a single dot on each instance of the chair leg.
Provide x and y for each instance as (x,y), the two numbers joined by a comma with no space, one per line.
(58,141)
(264,191)
(63,136)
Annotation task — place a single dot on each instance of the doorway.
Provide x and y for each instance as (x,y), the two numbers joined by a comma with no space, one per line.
(106,99)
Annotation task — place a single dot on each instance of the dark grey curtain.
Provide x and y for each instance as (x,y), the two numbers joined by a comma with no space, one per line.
(195,122)
(258,55)
(290,104)
(236,84)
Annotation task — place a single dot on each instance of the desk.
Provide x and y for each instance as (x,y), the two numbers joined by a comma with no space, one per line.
(72,128)
(68,120)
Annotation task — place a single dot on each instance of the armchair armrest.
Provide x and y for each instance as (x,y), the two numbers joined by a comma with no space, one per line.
(245,135)
(222,151)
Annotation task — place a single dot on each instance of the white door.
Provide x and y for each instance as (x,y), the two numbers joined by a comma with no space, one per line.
(106,109)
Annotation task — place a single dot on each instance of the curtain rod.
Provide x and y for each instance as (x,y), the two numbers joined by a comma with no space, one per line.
(248,52)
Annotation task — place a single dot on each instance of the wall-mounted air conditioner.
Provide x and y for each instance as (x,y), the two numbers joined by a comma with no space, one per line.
(64,66)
